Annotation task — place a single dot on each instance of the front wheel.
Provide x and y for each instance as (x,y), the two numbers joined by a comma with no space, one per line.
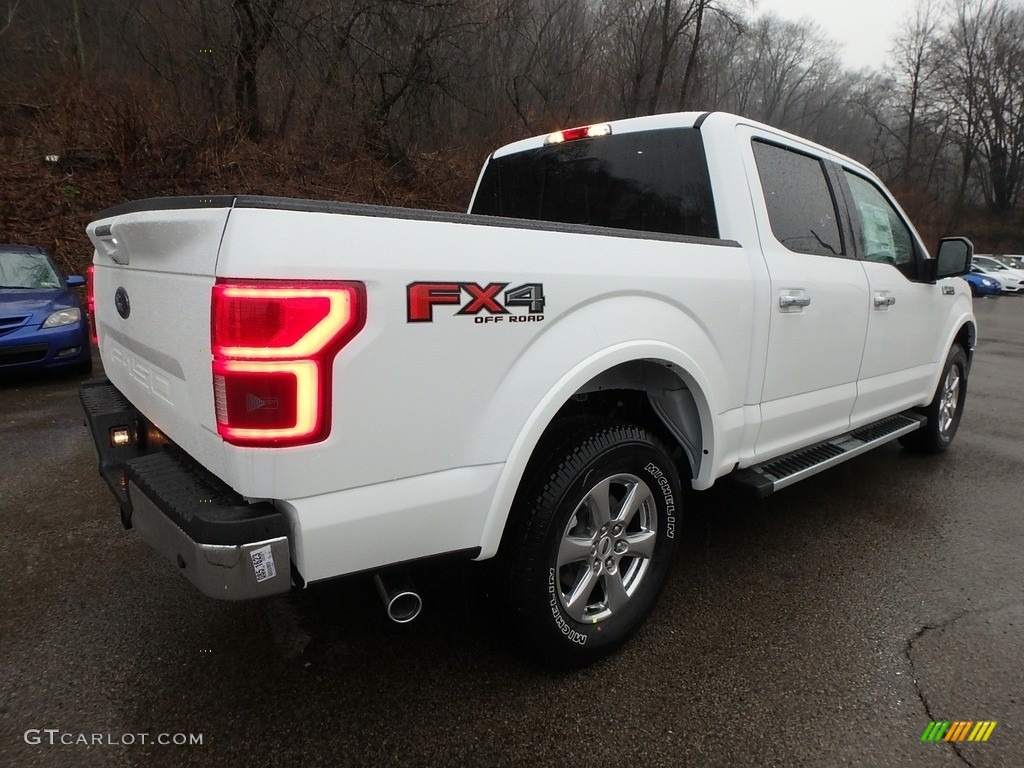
(592,540)
(946,407)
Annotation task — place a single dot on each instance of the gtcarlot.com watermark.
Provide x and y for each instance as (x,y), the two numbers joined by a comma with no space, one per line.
(54,737)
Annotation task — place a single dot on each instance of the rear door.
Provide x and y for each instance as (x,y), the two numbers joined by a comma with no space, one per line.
(818,319)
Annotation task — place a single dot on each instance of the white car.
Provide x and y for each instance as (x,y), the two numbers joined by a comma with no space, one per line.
(1011,280)
(1012,261)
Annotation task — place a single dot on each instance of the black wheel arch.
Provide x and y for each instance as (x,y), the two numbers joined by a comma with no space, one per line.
(966,338)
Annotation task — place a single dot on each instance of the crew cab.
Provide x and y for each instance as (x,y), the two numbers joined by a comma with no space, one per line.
(302,390)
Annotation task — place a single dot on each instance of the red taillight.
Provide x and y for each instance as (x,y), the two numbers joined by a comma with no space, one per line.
(90,303)
(273,345)
(583,132)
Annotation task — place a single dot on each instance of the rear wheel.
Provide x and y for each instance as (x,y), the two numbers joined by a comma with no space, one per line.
(592,540)
(946,408)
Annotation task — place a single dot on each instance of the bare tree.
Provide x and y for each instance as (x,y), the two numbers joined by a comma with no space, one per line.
(780,72)
(550,60)
(76,26)
(255,26)
(7,17)
(983,86)
(914,70)
(1002,84)
(651,40)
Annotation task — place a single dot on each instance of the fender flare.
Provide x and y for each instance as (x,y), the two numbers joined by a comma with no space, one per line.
(681,364)
(964,322)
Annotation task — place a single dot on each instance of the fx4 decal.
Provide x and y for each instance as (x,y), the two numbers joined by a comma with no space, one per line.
(473,299)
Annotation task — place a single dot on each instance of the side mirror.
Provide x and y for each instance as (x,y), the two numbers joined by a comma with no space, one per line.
(75,281)
(953,259)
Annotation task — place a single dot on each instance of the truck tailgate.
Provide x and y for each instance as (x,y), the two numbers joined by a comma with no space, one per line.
(154,269)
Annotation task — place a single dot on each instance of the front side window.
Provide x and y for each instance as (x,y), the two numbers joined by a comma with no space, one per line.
(801,209)
(26,270)
(884,235)
(650,181)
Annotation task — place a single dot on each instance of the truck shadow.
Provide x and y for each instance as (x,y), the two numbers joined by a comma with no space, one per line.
(759,588)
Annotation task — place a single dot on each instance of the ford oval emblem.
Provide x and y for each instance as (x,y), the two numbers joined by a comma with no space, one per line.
(124,307)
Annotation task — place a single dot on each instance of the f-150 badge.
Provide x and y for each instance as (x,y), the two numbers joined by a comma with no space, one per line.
(481,302)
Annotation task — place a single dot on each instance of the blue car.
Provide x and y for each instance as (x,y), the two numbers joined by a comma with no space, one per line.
(982,285)
(43,325)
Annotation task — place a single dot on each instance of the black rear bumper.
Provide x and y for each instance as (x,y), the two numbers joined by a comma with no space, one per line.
(227,547)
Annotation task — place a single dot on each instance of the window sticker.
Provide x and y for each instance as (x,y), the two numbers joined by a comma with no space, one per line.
(877,229)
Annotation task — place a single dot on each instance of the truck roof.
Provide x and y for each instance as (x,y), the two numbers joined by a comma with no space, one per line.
(683,120)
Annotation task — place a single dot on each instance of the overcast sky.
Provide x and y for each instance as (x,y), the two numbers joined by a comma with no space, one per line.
(865,28)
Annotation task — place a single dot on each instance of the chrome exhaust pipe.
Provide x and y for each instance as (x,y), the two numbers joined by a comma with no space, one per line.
(401,601)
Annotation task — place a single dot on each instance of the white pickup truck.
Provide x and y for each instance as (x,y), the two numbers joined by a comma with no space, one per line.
(302,390)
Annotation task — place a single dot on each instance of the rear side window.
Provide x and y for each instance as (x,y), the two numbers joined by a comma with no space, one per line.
(801,209)
(652,181)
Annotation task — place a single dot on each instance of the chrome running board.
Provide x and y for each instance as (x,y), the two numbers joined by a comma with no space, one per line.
(777,473)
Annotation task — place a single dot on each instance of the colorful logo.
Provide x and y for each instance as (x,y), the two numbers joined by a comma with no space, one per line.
(958,730)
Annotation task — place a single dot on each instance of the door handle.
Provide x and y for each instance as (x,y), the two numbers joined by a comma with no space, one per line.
(785,302)
(884,301)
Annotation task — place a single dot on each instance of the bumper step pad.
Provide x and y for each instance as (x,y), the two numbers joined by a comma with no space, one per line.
(202,506)
(229,548)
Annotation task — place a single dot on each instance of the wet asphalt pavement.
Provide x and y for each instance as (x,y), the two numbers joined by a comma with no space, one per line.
(826,625)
